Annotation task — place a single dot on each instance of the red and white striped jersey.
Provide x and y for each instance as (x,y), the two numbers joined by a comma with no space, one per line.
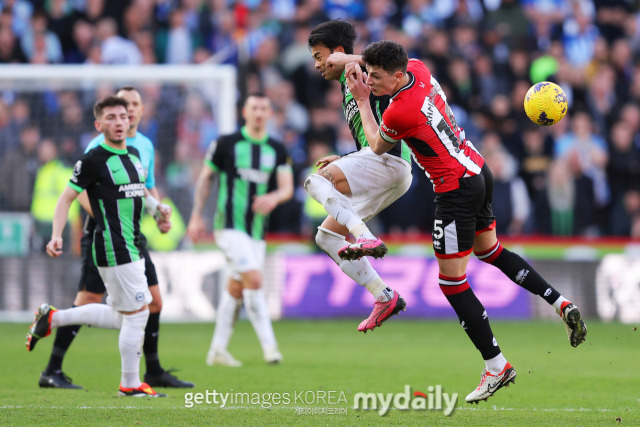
(419,114)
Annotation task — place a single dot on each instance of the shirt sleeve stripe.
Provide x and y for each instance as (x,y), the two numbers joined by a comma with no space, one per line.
(211,165)
(75,187)
(387,138)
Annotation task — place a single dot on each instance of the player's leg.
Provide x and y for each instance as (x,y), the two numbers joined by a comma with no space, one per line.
(155,375)
(128,293)
(90,291)
(488,249)
(330,187)
(453,236)
(330,239)
(226,316)
(255,299)
(255,303)
(49,318)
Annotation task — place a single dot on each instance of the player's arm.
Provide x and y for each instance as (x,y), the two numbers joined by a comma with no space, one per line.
(60,216)
(195,229)
(267,202)
(361,92)
(341,59)
(83,199)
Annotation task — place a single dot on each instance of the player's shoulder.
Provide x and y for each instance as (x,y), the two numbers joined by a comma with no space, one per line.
(230,138)
(94,142)
(275,143)
(143,141)
(133,150)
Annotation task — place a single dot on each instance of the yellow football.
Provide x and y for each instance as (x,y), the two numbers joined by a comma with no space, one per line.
(545,103)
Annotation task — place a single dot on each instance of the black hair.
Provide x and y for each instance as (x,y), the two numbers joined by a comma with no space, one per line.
(332,34)
(110,101)
(386,54)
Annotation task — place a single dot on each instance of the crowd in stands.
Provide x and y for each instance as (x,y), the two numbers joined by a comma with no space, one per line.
(580,177)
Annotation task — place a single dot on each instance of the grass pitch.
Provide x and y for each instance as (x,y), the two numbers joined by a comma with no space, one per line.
(325,364)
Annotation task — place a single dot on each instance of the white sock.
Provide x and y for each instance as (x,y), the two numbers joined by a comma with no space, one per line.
(255,304)
(225,320)
(130,343)
(359,270)
(385,294)
(334,202)
(557,305)
(361,230)
(96,315)
(496,364)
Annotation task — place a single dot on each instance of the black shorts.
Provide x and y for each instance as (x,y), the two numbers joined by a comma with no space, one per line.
(462,214)
(90,279)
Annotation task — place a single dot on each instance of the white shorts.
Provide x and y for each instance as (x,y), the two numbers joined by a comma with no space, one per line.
(243,252)
(375,181)
(126,284)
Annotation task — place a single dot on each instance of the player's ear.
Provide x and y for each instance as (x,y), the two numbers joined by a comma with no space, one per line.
(339,49)
(98,126)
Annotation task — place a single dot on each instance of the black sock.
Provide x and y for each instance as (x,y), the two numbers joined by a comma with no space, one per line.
(150,347)
(472,315)
(62,342)
(520,272)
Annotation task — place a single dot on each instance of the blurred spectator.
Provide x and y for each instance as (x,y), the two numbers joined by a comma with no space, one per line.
(179,176)
(10,50)
(196,126)
(116,50)
(284,103)
(164,242)
(16,117)
(624,174)
(590,151)
(51,179)
(18,169)
(511,204)
(313,212)
(179,42)
(580,33)
(39,44)
(568,208)
(536,157)
(20,11)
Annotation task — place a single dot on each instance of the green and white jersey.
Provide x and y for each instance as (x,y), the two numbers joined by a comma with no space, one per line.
(247,169)
(352,114)
(115,183)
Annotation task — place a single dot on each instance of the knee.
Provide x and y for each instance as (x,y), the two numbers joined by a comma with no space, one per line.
(321,239)
(315,181)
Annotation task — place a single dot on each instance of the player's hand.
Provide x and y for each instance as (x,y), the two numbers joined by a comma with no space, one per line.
(265,204)
(195,229)
(337,60)
(325,161)
(163,225)
(356,79)
(164,212)
(54,247)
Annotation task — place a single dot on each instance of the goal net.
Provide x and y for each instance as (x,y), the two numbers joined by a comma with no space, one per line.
(46,112)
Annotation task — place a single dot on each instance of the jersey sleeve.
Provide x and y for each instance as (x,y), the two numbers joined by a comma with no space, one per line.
(283,160)
(84,173)
(214,157)
(393,126)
